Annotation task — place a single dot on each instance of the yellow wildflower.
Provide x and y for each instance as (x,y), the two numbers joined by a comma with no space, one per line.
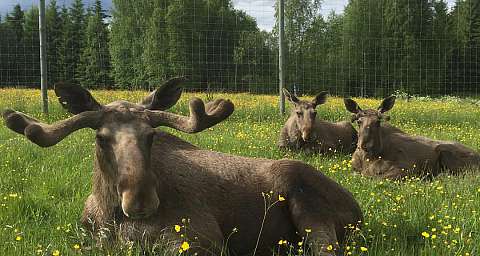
(76,247)
(177,228)
(329,247)
(18,238)
(185,246)
(56,253)
(363,249)
(425,234)
(281,242)
(281,198)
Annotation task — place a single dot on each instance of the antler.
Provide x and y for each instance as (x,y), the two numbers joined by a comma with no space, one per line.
(201,116)
(46,135)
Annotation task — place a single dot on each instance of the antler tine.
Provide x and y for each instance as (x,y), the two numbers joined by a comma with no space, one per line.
(201,116)
(46,135)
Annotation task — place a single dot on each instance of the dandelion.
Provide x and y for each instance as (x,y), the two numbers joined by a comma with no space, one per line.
(281,198)
(76,246)
(308,230)
(329,247)
(18,238)
(282,242)
(56,253)
(425,234)
(177,228)
(363,249)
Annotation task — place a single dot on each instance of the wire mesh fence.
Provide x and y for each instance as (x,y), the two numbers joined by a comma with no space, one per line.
(350,48)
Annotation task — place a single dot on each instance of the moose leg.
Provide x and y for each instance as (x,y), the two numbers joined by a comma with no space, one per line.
(313,224)
(318,231)
(100,223)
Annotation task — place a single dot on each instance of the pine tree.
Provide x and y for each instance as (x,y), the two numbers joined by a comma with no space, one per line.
(94,68)
(31,71)
(63,47)
(464,68)
(76,33)
(156,40)
(54,41)
(15,22)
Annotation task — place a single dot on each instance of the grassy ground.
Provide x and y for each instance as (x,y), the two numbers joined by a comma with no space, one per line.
(42,190)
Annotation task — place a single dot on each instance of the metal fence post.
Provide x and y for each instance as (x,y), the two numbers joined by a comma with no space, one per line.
(281,54)
(43,55)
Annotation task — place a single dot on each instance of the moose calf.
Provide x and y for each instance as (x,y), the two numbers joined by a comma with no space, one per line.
(304,132)
(387,152)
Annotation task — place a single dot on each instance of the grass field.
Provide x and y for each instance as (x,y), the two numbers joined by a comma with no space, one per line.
(42,190)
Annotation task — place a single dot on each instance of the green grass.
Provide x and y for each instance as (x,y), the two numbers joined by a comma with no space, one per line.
(42,190)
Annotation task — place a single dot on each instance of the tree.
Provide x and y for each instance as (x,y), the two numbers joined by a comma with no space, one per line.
(94,68)
(31,71)
(75,33)
(54,24)
(156,39)
(299,18)
(465,24)
(15,22)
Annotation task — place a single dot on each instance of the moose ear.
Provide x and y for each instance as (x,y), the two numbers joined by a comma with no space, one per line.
(351,106)
(75,98)
(165,96)
(387,104)
(290,97)
(320,99)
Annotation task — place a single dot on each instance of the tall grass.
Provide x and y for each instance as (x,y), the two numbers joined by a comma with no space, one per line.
(42,190)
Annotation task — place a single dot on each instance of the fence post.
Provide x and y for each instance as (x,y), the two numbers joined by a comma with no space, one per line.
(281,53)
(43,55)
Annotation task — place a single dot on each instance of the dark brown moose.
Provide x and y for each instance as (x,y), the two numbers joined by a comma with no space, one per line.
(304,132)
(146,181)
(387,152)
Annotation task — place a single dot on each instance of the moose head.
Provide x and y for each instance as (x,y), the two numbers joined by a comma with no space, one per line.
(369,123)
(304,112)
(124,135)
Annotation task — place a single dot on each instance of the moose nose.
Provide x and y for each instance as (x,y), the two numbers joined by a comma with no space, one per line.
(139,207)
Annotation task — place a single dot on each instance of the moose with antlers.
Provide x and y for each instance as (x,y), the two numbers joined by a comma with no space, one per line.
(146,181)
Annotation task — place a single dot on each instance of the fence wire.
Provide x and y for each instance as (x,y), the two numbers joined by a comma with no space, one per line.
(350,48)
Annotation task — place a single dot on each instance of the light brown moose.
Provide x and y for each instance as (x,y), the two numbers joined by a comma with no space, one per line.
(145,181)
(387,152)
(304,132)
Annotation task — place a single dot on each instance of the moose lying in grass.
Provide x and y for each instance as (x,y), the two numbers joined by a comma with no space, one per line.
(146,181)
(387,152)
(304,132)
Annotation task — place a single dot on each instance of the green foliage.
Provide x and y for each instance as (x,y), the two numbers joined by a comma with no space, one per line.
(372,49)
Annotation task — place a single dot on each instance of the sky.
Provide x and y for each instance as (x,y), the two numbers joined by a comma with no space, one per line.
(261,10)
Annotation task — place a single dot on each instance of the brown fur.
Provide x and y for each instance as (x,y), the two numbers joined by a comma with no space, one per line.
(304,132)
(146,181)
(387,152)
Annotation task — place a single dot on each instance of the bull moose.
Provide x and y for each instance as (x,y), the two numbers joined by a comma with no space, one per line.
(303,131)
(387,152)
(146,181)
